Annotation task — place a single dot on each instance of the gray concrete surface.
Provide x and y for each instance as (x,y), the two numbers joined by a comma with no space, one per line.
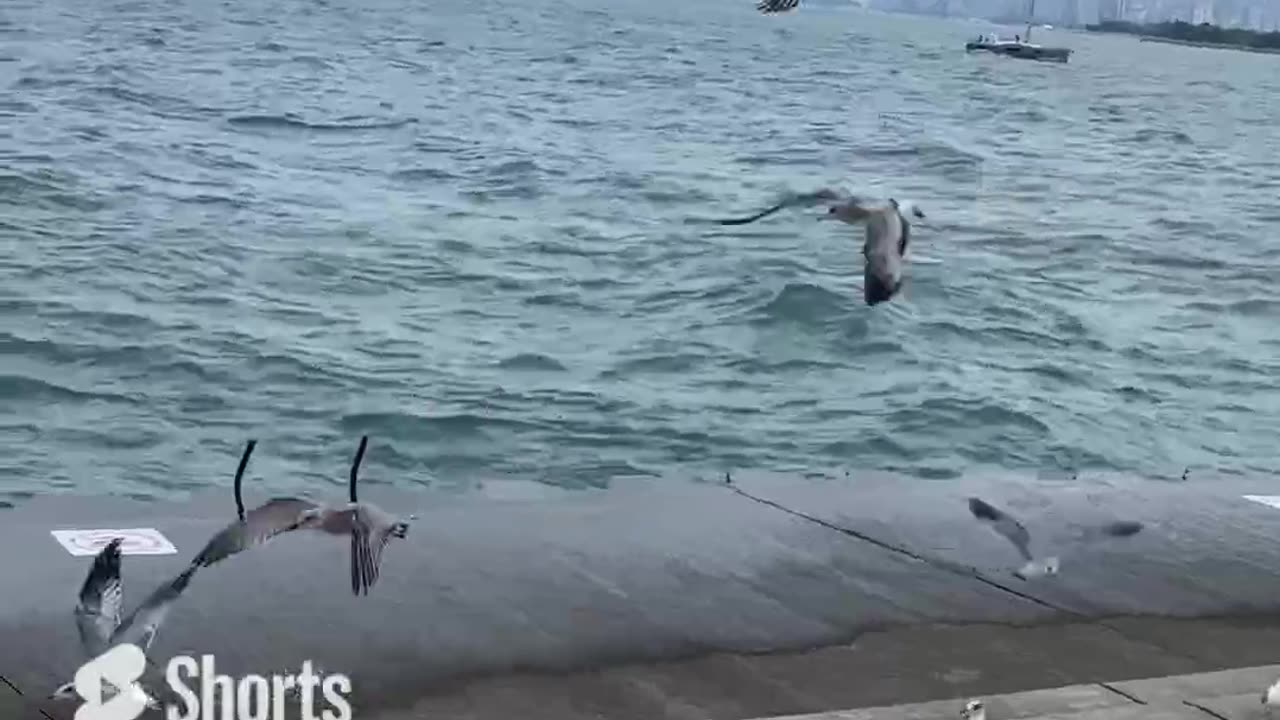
(778,595)
(1224,695)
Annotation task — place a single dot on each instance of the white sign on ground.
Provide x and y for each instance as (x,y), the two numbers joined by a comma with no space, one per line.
(213,697)
(135,541)
(1270,500)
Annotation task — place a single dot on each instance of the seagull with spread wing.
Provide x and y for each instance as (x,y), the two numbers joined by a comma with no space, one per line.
(776,6)
(1016,533)
(369,527)
(888,234)
(98,613)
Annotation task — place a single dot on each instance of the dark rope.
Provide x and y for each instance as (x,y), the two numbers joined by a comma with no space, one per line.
(355,466)
(244,462)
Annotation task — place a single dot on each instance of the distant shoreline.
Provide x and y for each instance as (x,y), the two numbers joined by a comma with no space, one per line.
(1220,46)
(1202,35)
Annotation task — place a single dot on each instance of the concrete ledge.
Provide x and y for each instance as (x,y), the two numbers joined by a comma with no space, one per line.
(1237,707)
(941,665)
(1243,681)
(689,601)
(1201,696)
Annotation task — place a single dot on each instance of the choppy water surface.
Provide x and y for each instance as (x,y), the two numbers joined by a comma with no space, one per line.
(459,227)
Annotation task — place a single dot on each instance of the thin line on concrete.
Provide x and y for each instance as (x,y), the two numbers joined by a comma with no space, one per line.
(13,687)
(1121,693)
(1204,710)
(950,567)
(955,569)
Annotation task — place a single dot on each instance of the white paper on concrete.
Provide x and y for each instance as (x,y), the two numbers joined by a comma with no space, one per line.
(135,541)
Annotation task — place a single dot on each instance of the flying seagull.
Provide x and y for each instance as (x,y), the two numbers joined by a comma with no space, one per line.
(369,527)
(276,516)
(776,6)
(99,609)
(974,710)
(888,233)
(1016,533)
(885,247)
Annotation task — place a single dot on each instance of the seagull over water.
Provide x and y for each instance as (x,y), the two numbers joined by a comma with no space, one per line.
(776,6)
(1016,533)
(888,234)
(98,613)
(369,527)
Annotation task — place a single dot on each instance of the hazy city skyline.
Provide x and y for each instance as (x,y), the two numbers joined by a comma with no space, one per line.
(1252,14)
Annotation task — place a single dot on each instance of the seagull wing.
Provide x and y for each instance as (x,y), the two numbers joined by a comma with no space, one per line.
(1003,523)
(809,199)
(776,6)
(885,241)
(260,524)
(1109,531)
(141,626)
(370,531)
(101,600)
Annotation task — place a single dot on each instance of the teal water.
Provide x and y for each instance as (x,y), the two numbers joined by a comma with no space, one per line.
(460,228)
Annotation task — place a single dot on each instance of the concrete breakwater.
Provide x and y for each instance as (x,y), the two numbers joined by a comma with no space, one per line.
(773,595)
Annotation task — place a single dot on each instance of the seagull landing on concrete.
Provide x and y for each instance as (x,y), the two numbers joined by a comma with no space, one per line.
(1016,533)
(888,233)
(99,610)
(1271,696)
(974,710)
(369,527)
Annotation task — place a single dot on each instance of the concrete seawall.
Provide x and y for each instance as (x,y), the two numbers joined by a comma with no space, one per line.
(777,595)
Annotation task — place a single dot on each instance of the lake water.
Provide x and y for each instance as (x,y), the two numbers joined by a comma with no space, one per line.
(461,228)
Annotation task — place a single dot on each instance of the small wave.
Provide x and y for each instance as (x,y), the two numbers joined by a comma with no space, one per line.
(758,366)
(420,174)
(564,300)
(789,156)
(292,122)
(934,413)
(45,189)
(1247,308)
(1135,393)
(804,303)
(13,108)
(678,363)
(531,361)
(1149,135)
(409,426)
(22,387)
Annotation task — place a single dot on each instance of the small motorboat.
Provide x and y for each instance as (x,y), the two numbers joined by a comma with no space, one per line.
(1019,48)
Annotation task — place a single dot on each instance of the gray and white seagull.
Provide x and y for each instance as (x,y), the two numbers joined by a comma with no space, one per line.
(888,234)
(98,612)
(1016,533)
(769,7)
(369,527)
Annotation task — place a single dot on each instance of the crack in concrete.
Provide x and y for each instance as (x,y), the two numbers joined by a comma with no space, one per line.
(1121,693)
(1204,710)
(20,694)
